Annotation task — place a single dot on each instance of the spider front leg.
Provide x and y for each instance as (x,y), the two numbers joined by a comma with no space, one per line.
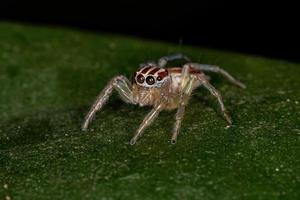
(216,94)
(217,69)
(187,85)
(150,117)
(119,83)
(162,62)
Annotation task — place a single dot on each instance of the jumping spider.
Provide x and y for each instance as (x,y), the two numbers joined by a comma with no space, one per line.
(164,89)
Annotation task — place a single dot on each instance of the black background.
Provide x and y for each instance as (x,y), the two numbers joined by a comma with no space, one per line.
(257,27)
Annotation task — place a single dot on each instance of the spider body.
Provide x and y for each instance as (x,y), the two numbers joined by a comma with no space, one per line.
(163,89)
(166,85)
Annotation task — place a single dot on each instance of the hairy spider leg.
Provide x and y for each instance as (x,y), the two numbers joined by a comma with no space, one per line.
(162,62)
(120,84)
(217,69)
(150,117)
(217,95)
(187,86)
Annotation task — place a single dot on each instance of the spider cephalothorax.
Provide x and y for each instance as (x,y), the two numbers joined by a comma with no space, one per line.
(150,75)
(164,89)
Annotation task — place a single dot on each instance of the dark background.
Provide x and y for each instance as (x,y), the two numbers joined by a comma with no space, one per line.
(264,28)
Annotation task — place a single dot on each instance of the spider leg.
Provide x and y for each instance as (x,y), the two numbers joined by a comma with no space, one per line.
(179,117)
(217,69)
(150,117)
(216,94)
(164,60)
(119,83)
(187,86)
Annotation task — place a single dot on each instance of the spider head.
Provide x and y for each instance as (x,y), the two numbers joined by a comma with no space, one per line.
(150,75)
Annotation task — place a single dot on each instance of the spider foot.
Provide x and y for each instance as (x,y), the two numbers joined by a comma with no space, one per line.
(133,141)
(174,138)
(227,118)
(240,84)
(228,126)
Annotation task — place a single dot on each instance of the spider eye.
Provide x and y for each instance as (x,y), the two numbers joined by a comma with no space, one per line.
(140,79)
(159,78)
(150,80)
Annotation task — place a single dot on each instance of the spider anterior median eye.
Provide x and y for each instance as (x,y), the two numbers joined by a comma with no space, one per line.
(140,79)
(150,80)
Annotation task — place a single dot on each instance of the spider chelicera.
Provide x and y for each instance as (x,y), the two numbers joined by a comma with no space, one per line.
(163,88)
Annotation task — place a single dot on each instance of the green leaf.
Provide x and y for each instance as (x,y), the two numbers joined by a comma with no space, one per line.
(49,77)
